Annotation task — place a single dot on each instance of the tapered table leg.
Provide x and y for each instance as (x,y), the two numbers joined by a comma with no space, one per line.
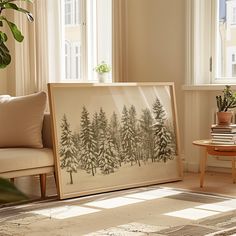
(43,185)
(233,170)
(203,168)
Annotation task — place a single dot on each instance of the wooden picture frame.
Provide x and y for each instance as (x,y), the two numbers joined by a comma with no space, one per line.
(113,136)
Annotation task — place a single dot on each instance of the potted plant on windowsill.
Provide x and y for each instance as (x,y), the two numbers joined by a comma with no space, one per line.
(102,70)
(228,101)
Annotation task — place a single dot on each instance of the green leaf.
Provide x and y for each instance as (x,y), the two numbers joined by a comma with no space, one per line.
(9,193)
(28,14)
(10,6)
(3,37)
(5,57)
(15,31)
(30,17)
(9,1)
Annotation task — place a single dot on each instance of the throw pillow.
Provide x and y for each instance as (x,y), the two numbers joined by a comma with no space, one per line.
(21,120)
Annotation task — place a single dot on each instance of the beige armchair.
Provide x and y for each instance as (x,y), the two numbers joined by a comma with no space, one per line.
(17,162)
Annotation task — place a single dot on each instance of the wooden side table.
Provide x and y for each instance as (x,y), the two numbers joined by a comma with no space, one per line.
(228,150)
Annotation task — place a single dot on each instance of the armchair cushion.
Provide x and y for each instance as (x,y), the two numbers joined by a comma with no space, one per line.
(15,159)
(21,120)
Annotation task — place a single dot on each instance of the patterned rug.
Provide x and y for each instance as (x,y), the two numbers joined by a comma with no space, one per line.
(136,212)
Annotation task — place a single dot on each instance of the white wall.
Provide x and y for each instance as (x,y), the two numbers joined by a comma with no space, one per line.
(156,53)
(200,106)
(156,45)
(3,81)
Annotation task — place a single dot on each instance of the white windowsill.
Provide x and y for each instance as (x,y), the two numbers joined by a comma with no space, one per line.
(206,87)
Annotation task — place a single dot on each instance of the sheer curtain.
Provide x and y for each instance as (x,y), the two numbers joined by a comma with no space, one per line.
(119,27)
(38,58)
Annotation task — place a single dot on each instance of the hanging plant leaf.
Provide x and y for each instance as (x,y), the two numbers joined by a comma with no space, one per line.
(28,14)
(9,193)
(30,17)
(15,31)
(5,57)
(15,7)
(10,6)
(3,37)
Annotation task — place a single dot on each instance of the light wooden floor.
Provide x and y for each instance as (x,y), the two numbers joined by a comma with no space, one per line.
(215,183)
(129,211)
(139,210)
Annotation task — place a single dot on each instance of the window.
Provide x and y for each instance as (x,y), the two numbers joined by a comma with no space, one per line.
(233,9)
(67,60)
(68,12)
(226,40)
(211,41)
(72,12)
(87,37)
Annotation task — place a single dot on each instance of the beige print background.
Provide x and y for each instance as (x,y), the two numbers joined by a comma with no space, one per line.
(70,100)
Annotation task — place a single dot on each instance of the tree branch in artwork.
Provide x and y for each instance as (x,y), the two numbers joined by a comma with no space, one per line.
(104,145)
(146,135)
(68,151)
(88,157)
(163,149)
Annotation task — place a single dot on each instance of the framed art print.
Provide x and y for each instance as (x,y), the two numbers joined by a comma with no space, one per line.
(113,136)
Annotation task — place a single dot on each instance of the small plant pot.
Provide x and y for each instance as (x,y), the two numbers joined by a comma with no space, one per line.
(224,117)
(102,77)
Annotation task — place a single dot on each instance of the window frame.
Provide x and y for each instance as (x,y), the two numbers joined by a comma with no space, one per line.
(201,38)
(90,28)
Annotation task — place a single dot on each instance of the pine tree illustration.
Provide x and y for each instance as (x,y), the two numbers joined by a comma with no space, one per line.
(139,149)
(114,129)
(88,144)
(125,134)
(76,141)
(163,148)
(107,154)
(102,123)
(68,151)
(134,141)
(146,134)
(128,136)
(95,125)
(95,129)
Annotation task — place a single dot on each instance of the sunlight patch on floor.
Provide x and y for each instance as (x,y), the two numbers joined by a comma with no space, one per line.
(228,203)
(215,207)
(65,212)
(154,194)
(113,202)
(192,214)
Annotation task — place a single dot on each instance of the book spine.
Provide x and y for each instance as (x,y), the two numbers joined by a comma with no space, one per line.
(223,137)
(223,142)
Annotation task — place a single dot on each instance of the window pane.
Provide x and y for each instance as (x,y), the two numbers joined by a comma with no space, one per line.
(68,13)
(226,39)
(87,37)
(73,37)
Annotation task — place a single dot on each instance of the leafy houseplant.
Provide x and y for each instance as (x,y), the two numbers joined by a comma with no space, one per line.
(5,57)
(224,103)
(9,193)
(102,70)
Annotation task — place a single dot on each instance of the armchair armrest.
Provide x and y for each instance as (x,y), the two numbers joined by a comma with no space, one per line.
(46,131)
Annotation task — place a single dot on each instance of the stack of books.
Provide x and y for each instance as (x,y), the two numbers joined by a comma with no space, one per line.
(223,134)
